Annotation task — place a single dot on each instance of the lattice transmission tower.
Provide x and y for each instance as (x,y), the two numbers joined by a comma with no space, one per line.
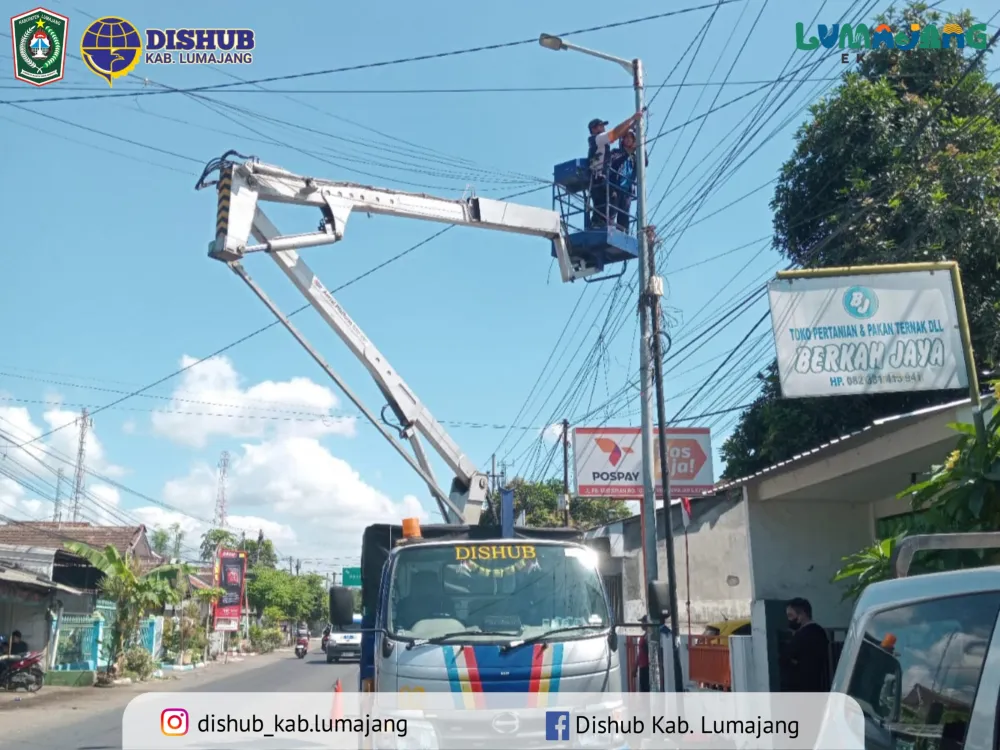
(220,493)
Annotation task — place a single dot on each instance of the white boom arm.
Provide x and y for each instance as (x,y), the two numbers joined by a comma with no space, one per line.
(242,186)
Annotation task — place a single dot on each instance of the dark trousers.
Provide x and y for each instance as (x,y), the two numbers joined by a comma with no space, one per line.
(600,198)
(643,679)
(621,204)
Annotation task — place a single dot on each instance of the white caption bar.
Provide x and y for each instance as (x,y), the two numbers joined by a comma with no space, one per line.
(493,721)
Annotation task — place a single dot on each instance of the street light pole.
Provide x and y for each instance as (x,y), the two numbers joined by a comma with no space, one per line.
(646,288)
(649,289)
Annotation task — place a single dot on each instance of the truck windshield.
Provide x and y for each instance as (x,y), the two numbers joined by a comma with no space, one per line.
(918,669)
(495,592)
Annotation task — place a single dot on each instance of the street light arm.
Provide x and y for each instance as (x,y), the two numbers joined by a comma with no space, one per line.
(557,43)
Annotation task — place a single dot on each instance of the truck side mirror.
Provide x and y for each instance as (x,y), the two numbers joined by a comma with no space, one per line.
(341,606)
(658,597)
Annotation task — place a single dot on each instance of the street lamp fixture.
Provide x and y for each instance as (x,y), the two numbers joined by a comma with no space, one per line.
(551,42)
(650,289)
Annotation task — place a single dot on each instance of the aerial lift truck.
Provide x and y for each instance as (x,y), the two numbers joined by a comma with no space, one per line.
(458,607)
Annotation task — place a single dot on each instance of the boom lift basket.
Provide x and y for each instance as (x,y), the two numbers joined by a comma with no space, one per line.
(590,235)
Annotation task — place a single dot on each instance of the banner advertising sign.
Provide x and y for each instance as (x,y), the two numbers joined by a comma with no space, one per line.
(608,462)
(867,333)
(230,575)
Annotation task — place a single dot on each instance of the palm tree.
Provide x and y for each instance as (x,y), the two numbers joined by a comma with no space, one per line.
(133,592)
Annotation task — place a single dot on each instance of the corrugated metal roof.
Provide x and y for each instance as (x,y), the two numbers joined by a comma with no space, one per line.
(32,580)
(909,416)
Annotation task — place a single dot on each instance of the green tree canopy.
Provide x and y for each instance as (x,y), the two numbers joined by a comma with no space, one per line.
(261,554)
(898,165)
(540,502)
(213,539)
(159,541)
(295,597)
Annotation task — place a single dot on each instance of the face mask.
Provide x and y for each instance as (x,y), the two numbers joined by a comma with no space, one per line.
(793,625)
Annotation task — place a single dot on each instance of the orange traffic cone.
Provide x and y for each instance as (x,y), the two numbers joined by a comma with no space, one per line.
(337,709)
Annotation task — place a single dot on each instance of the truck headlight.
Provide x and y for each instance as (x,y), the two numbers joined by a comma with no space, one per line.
(419,736)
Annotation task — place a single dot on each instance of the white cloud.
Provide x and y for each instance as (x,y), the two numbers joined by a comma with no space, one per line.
(28,492)
(129,427)
(552,433)
(322,502)
(296,407)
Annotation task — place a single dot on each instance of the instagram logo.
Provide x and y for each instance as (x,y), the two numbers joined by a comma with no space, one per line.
(174,722)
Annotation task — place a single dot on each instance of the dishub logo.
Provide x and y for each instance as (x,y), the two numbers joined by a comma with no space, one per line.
(858,37)
(615,452)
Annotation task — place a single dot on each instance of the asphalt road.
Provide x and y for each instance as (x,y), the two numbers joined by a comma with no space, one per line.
(92,725)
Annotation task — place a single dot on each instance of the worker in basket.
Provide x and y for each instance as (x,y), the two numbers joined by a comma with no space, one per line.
(598,158)
(621,179)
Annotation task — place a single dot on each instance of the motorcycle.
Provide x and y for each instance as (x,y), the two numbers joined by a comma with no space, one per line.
(22,671)
(301,647)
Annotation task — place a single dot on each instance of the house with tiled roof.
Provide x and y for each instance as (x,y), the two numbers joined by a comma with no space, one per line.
(67,568)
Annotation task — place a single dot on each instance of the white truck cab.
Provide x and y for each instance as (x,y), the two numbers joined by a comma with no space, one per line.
(922,656)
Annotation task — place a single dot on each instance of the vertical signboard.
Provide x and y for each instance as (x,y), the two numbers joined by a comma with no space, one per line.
(888,329)
(230,576)
(608,462)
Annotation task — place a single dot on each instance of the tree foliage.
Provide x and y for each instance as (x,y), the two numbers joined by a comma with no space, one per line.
(259,552)
(213,539)
(540,502)
(898,165)
(133,592)
(284,596)
(159,541)
(961,495)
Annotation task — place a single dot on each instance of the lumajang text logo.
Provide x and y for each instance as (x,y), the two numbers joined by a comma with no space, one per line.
(859,37)
(200,46)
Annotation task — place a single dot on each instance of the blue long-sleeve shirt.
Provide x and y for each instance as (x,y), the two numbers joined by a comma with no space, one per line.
(621,169)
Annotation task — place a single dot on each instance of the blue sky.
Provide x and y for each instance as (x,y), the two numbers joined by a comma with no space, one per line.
(108,285)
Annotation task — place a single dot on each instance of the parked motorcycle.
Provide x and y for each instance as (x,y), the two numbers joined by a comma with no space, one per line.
(22,671)
(301,647)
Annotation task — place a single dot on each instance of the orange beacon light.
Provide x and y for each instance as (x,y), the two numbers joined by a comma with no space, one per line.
(411,528)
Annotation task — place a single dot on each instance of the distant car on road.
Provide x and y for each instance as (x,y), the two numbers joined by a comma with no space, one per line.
(344,642)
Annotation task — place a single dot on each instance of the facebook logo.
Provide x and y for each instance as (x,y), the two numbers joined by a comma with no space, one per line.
(557,725)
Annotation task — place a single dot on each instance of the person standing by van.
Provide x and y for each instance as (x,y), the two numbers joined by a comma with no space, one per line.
(807,664)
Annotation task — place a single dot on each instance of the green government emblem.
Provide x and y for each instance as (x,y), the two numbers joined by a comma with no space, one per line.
(39,46)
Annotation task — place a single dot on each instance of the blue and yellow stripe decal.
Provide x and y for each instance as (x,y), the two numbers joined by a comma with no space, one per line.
(546,672)
(475,670)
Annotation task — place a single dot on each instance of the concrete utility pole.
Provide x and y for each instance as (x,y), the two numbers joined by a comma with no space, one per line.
(81,452)
(565,498)
(57,505)
(649,286)
(661,415)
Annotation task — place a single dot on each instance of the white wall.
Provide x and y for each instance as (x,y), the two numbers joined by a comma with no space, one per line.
(29,619)
(720,564)
(797,547)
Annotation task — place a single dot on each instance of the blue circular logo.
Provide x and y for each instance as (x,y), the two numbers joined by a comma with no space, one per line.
(860,302)
(111,47)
